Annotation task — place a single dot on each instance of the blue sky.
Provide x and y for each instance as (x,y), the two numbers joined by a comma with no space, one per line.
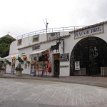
(22,16)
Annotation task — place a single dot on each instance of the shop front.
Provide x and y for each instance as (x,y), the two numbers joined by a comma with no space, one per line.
(41,63)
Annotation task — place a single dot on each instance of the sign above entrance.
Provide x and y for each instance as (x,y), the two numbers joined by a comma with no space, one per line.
(53,35)
(89,31)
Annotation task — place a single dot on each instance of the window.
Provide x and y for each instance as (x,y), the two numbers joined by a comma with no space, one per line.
(19,42)
(35,47)
(35,38)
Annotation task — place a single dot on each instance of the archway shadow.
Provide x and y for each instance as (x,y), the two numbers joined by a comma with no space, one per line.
(91,52)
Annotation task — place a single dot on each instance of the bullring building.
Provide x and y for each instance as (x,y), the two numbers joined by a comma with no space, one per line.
(83,51)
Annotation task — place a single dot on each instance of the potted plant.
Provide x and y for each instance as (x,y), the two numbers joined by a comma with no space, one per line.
(19,70)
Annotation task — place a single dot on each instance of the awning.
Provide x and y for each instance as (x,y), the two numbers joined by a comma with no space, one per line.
(39,51)
(1,59)
(10,56)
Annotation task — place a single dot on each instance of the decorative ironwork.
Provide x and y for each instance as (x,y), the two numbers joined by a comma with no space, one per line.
(55,47)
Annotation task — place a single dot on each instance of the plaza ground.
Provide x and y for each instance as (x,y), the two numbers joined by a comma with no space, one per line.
(40,93)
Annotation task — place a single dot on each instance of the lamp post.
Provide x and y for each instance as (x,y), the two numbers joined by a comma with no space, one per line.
(46,29)
(46,26)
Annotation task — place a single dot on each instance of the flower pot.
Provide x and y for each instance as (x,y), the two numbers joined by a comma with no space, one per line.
(19,73)
(1,72)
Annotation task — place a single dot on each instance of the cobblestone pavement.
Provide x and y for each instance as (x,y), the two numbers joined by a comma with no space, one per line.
(38,93)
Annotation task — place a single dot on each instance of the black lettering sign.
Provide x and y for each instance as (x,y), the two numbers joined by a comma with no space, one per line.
(89,31)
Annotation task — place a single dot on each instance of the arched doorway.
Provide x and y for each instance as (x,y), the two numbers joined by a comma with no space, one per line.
(91,52)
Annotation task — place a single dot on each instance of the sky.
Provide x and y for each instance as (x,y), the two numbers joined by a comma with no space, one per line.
(18,17)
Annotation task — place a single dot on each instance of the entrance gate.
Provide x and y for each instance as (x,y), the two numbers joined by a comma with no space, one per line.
(91,52)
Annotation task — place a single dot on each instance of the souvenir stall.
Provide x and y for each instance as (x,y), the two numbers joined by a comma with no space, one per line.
(25,63)
(41,63)
(10,68)
(15,59)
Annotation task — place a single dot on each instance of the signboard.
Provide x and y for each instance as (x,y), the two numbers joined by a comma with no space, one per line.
(89,31)
(77,65)
(53,35)
(64,57)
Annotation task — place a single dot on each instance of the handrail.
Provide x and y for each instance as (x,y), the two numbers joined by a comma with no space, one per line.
(49,30)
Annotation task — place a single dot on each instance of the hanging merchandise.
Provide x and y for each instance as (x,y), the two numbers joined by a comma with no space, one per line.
(20,60)
(28,63)
(25,65)
(24,57)
(14,58)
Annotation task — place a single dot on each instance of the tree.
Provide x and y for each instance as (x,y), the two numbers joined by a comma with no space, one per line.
(5,42)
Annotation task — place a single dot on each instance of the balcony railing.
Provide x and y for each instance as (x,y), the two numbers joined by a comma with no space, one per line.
(50,30)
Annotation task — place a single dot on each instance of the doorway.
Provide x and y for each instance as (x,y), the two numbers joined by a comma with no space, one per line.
(91,52)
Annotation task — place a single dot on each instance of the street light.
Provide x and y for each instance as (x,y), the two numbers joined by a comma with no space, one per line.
(46,26)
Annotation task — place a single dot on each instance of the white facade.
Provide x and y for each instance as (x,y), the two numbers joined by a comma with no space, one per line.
(69,43)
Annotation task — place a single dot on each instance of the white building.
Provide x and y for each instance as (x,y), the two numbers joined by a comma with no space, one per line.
(83,51)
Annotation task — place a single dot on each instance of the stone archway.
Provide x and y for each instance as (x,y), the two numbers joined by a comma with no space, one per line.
(91,52)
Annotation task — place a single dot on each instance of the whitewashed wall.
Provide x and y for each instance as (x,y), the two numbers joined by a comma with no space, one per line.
(69,43)
(13,48)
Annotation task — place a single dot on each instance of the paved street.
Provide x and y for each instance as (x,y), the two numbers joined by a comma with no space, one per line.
(87,80)
(38,93)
